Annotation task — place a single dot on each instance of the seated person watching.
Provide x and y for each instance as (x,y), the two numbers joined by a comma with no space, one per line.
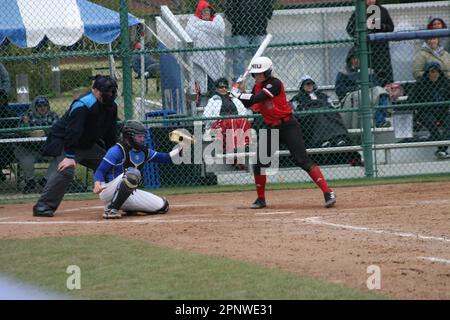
(434,86)
(7,121)
(233,133)
(349,93)
(431,51)
(29,153)
(321,130)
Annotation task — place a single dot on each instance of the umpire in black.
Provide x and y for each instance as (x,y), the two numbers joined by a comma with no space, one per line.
(81,136)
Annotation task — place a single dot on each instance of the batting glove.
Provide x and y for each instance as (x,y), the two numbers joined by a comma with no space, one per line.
(235,92)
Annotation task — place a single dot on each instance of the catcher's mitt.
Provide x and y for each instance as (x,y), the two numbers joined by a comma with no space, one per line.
(181,136)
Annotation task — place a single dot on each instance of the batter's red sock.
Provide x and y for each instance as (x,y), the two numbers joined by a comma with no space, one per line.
(316,174)
(260,181)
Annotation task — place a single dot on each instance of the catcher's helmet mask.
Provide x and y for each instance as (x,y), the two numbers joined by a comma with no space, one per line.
(129,130)
(107,87)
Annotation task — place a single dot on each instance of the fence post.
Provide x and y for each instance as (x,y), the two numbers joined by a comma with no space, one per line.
(56,77)
(126,58)
(366,111)
(23,89)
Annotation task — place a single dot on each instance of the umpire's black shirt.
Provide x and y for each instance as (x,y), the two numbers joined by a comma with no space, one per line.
(86,123)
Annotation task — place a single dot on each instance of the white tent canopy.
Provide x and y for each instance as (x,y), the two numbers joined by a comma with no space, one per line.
(25,23)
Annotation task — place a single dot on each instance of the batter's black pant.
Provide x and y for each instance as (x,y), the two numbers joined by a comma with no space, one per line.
(59,181)
(290,135)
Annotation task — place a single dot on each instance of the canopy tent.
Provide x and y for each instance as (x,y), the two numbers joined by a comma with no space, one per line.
(25,23)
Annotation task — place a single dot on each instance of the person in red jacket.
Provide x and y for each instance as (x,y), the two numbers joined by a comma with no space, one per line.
(269,99)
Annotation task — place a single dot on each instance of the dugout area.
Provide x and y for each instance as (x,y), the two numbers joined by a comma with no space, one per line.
(211,246)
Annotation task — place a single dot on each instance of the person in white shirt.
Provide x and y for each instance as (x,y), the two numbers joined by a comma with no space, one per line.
(207,29)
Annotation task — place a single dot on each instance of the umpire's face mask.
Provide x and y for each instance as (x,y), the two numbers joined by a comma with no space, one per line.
(109,96)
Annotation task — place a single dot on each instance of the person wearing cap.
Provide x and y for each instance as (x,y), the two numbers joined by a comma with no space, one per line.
(431,51)
(268,98)
(81,136)
(434,86)
(348,90)
(380,55)
(207,29)
(233,133)
(27,154)
(6,116)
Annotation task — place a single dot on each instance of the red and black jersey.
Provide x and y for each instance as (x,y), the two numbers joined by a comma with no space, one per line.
(269,98)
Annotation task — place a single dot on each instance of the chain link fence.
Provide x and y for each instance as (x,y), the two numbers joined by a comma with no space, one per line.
(369,85)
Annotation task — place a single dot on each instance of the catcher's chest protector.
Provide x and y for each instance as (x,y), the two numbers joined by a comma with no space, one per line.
(136,159)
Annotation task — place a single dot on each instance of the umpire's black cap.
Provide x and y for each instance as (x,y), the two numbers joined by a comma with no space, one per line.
(104,83)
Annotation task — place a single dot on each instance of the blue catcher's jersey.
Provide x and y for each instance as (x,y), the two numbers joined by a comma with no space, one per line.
(118,158)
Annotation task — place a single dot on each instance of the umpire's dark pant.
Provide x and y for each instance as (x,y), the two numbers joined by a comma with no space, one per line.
(59,181)
(291,135)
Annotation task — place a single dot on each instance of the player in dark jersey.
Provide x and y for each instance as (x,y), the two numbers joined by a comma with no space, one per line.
(81,136)
(269,99)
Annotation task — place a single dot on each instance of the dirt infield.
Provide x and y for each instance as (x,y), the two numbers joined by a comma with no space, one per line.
(403,229)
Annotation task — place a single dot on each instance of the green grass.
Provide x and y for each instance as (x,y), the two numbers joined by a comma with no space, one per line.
(360,182)
(116,268)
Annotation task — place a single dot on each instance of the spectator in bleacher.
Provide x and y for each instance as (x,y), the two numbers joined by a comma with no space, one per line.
(207,29)
(28,154)
(431,51)
(233,133)
(434,86)
(6,150)
(380,58)
(439,23)
(321,130)
(5,81)
(249,20)
(310,97)
(349,93)
(151,67)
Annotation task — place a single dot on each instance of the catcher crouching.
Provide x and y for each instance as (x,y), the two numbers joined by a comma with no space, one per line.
(119,174)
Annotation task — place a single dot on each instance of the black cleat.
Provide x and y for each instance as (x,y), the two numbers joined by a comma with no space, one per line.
(258,204)
(164,208)
(330,199)
(42,211)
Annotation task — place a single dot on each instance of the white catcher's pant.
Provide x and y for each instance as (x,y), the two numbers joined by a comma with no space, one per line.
(140,200)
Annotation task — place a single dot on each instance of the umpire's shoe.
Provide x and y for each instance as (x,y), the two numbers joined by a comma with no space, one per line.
(258,204)
(330,199)
(41,210)
(112,214)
